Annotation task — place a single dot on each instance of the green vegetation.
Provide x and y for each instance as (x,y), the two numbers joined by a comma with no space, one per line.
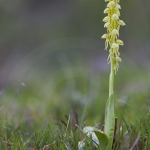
(30,118)
(52,110)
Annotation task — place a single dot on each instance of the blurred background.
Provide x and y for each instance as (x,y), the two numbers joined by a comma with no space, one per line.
(52,60)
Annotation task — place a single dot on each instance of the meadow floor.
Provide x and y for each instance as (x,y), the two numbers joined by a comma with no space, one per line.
(51,113)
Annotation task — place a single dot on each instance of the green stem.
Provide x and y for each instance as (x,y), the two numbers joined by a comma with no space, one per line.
(111,78)
(112,72)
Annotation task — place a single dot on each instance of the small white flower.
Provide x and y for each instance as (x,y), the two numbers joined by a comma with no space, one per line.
(115,17)
(121,22)
(111,4)
(107,24)
(106,10)
(115,46)
(118,59)
(115,32)
(118,6)
(106,19)
(119,42)
(105,36)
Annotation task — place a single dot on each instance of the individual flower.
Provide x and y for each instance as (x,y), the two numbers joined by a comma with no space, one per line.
(106,19)
(115,32)
(115,46)
(111,4)
(115,17)
(119,42)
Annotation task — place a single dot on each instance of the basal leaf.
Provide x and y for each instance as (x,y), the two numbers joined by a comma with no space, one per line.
(103,139)
(109,119)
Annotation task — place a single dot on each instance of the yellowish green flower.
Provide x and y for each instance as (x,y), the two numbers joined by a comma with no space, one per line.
(112,24)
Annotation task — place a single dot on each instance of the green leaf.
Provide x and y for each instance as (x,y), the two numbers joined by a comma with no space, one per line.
(110,120)
(100,139)
(103,139)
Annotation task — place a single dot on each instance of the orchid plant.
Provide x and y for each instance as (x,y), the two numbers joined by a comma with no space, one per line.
(104,139)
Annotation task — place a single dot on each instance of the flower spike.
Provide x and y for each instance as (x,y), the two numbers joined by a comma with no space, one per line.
(112,24)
